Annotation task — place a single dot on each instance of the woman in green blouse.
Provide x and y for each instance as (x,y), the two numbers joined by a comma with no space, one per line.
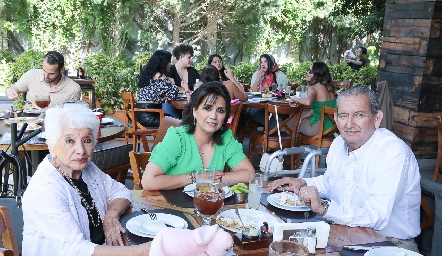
(202,139)
(320,92)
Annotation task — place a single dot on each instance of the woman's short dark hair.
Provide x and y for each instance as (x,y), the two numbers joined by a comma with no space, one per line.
(157,63)
(221,72)
(181,50)
(270,63)
(321,75)
(53,57)
(209,74)
(212,89)
(364,50)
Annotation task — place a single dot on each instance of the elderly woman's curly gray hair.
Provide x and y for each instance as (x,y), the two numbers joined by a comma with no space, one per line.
(66,116)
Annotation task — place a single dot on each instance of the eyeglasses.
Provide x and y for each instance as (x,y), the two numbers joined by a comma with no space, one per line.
(359,116)
(309,70)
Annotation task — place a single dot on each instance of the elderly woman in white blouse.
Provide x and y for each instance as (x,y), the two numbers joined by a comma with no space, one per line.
(70,206)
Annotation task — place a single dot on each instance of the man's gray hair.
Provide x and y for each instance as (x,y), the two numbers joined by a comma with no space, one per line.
(69,115)
(357,90)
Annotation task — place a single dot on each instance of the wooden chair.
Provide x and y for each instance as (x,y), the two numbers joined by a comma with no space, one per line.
(7,235)
(235,112)
(134,132)
(324,138)
(139,160)
(437,171)
(342,85)
(269,139)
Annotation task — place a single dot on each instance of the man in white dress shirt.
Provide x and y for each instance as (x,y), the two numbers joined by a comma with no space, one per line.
(372,178)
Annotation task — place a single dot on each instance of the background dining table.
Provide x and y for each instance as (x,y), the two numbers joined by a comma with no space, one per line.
(339,235)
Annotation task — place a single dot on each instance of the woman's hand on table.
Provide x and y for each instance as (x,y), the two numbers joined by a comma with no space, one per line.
(293,103)
(218,176)
(113,230)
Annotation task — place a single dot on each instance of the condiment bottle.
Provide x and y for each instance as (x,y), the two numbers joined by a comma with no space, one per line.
(311,240)
(80,72)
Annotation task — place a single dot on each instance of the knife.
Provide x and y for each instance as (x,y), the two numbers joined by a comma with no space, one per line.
(361,248)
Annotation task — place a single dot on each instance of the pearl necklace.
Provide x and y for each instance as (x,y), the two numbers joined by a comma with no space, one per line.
(83,200)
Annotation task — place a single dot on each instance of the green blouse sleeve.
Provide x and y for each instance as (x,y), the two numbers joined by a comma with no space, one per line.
(233,149)
(166,153)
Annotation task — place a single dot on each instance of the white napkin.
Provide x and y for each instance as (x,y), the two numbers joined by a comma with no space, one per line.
(322,231)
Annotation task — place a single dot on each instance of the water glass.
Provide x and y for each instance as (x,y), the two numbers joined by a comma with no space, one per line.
(205,176)
(288,90)
(287,248)
(255,190)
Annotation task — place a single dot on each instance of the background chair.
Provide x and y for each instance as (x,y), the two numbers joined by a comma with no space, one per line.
(324,138)
(7,234)
(437,171)
(113,160)
(235,112)
(429,241)
(134,130)
(139,160)
(268,138)
(342,85)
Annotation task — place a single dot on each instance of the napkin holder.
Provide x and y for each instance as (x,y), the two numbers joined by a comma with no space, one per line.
(245,244)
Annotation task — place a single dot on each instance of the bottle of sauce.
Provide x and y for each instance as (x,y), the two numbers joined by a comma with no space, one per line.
(80,72)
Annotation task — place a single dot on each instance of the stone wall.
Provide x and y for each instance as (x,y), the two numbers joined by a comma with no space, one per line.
(411,63)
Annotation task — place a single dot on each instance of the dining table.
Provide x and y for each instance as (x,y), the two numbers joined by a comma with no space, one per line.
(110,130)
(159,201)
(254,101)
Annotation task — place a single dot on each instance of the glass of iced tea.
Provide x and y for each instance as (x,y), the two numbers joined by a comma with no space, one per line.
(42,101)
(208,202)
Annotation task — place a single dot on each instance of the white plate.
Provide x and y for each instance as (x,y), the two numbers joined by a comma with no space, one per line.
(273,199)
(191,187)
(31,127)
(251,217)
(135,225)
(256,93)
(42,135)
(390,251)
(106,120)
(23,120)
(35,110)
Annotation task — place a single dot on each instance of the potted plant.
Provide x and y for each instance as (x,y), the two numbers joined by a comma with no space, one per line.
(110,75)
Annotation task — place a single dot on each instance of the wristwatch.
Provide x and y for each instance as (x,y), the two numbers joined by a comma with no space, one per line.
(325,205)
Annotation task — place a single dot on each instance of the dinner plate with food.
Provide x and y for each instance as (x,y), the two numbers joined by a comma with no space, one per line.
(287,201)
(189,190)
(250,217)
(19,120)
(31,126)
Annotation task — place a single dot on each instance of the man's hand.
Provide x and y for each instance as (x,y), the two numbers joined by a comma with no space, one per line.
(113,230)
(290,184)
(12,93)
(310,196)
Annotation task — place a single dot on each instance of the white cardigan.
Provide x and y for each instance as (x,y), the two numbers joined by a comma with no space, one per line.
(55,222)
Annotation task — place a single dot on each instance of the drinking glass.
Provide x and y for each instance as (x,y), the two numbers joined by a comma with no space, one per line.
(255,190)
(303,91)
(287,248)
(205,176)
(208,202)
(288,90)
(42,101)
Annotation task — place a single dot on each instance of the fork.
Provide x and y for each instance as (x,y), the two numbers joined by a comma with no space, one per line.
(152,215)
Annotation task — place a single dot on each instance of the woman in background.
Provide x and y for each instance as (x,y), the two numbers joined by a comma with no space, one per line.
(182,72)
(217,61)
(320,92)
(268,74)
(202,139)
(155,88)
(210,74)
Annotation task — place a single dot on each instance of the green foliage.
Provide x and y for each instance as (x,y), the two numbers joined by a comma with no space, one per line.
(32,59)
(5,74)
(199,66)
(6,55)
(244,71)
(110,75)
(140,60)
(296,72)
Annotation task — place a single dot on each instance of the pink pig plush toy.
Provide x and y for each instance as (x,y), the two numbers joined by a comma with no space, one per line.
(207,240)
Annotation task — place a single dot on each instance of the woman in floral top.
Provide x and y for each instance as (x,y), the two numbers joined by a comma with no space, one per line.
(155,88)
